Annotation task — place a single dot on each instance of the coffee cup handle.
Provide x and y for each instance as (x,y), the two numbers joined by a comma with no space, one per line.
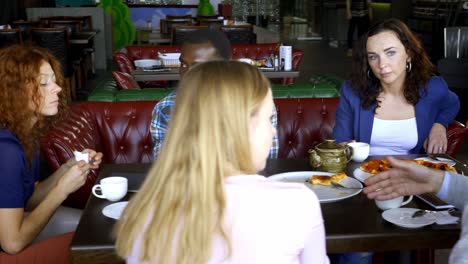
(408,200)
(95,187)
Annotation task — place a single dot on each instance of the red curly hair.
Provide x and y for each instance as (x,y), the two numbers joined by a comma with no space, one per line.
(19,88)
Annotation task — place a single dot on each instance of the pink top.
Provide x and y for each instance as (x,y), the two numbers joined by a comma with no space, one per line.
(270,222)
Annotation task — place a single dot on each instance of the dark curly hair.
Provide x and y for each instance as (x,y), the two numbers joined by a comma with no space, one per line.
(19,87)
(367,86)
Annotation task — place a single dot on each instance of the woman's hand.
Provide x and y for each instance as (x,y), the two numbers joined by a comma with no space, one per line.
(404,178)
(436,142)
(73,178)
(95,159)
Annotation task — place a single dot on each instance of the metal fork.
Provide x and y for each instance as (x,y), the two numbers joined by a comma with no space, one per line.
(339,186)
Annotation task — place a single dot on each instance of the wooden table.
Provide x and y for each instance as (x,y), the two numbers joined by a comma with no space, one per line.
(173,75)
(353,224)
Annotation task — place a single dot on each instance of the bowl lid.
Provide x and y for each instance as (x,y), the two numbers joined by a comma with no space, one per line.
(330,145)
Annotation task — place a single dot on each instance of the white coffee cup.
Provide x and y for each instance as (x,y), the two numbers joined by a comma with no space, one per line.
(360,151)
(393,203)
(112,188)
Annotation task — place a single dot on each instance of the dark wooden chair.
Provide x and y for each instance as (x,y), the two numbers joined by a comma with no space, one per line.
(86,21)
(72,26)
(25,28)
(180,33)
(207,17)
(213,23)
(240,34)
(169,17)
(168,24)
(10,37)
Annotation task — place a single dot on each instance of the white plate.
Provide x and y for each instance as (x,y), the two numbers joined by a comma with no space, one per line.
(361,175)
(439,160)
(325,194)
(114,210)
(146,63)
(402,217)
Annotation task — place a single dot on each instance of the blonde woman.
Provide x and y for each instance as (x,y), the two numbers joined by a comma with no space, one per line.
(202,201)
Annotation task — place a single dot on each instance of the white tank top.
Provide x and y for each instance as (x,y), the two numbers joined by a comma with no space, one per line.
(393,137)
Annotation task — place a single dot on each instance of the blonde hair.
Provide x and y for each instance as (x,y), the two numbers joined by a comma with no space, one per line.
(182,199)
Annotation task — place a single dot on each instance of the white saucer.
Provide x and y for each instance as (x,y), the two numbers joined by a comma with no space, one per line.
(361,175)
(439,160)
(402,217)
(114,210)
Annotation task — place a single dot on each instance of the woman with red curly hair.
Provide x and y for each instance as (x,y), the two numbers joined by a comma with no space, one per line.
(30,92)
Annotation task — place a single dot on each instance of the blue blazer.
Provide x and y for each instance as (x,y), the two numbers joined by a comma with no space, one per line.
(437,105)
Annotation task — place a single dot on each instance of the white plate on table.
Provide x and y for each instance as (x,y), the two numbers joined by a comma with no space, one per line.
(439,160)
(114,210)
(402,217)
(146,63)
(325,194)
(362,175)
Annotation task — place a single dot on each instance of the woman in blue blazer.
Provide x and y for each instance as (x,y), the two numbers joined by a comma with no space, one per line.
(393,100)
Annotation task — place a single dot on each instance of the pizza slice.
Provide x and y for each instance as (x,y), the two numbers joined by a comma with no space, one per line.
(436,165)
(326,179)
(375,166)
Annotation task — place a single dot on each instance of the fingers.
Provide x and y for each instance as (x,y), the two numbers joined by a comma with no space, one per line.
(437,148)
(95,158)
(437,139)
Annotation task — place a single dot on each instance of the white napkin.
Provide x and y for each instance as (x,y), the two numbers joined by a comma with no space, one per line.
(444,218)
(81,156)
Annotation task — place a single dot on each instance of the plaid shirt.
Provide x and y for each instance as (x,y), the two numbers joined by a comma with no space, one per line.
(160,120)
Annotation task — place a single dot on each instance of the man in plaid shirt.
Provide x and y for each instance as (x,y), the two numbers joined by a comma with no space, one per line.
(201,46)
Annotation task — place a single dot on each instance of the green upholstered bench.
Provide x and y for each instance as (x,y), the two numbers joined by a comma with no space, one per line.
(322,86)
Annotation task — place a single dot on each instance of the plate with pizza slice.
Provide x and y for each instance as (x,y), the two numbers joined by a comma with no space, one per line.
(373,167)
(320,183)
(443,164)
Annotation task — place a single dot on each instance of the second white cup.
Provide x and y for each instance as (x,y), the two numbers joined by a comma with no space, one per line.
(112,188)
(393,203)
(360,151)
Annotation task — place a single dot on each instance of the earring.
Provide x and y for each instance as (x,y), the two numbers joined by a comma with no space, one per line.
(408,66)
(368,74)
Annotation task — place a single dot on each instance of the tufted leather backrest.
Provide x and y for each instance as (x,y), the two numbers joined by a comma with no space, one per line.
(456,133)
(125,57)
(120,130)
(125,81)
(304,123)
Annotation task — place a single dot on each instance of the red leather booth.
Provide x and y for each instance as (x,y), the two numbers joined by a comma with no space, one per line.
(125,57)
(120,130)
